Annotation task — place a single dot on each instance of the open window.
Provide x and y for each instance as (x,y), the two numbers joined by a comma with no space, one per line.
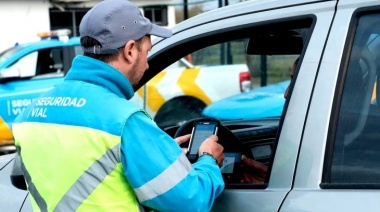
(210,87)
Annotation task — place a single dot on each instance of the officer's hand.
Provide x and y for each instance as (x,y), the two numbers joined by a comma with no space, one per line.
(212,146)
(182,139)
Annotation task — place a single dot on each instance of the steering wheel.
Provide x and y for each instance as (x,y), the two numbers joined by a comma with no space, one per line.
(231,169)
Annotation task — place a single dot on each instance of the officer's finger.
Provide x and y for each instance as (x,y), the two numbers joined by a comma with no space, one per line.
(213,138)
(182,139)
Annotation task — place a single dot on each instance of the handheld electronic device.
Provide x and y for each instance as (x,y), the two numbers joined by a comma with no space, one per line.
(231,169)
(201,131)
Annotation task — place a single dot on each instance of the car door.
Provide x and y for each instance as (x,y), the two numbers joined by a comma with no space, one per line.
(281,174)
(338,164)
(243,21)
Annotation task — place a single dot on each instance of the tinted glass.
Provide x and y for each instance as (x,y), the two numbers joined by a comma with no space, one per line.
(357,142)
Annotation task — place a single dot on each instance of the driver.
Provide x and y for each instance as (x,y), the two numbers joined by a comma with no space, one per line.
(254,171)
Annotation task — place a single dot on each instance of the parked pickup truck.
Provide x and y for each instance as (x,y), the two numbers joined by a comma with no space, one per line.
(28,69)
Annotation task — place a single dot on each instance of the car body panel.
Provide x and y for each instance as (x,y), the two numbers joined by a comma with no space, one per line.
(287,150)
(250,200)
(11,199)
(239,10)
(267,101)
(307,193)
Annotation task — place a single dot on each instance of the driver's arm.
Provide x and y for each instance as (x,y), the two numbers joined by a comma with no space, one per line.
(160,173)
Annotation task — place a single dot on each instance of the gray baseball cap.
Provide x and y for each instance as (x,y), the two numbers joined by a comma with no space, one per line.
(115,22)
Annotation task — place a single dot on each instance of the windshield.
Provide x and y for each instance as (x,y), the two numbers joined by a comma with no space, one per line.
(8,53)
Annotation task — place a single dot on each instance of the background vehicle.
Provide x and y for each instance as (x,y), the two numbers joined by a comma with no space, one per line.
(182,90)
(261,102)
(323,152)
(27,70)
(25,18)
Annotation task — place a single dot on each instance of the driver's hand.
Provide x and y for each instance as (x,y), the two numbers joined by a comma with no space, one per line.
(212,146)
(182,139)
(253,171)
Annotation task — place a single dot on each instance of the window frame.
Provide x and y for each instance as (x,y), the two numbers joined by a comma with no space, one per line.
(336,106)
(160,61)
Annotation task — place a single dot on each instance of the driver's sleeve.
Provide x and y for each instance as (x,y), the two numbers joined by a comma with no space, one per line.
(160,173)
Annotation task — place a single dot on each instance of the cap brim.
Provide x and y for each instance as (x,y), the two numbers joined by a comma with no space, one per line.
(160,31)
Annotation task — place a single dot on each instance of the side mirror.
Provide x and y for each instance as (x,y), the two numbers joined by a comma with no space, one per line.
(17,176)
(9,73)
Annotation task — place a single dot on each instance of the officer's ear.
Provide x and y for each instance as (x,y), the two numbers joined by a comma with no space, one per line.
(130,51)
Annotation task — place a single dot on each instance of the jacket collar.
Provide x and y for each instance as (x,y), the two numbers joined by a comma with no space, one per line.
(100,73)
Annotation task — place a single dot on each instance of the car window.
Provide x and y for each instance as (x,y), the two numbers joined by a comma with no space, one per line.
(8,53)
(27,65)
(49,61)
(270,69)
(184,88)
(41,62)
(356,148)
(200,84)
(183,63)
(222,64)
(268,75)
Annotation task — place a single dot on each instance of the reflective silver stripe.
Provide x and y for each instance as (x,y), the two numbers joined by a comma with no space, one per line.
(31,187)
(174,174)
(89,180)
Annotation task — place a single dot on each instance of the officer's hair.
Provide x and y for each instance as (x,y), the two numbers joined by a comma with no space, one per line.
(88,42)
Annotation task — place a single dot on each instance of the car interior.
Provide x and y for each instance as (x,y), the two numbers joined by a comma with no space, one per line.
(255,139)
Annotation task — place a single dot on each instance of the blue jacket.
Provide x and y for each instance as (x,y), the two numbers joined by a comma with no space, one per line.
(153,163)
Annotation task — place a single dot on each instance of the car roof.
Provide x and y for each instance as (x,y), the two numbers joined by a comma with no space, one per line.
(26,48)
(52,41)
(236,10)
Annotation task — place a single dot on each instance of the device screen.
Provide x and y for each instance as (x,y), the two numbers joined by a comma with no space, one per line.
(200,133)
(230,161)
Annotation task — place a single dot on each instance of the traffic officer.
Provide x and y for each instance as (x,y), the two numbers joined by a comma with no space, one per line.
(85,147)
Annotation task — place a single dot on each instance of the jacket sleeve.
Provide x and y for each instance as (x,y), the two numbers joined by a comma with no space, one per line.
(160,173)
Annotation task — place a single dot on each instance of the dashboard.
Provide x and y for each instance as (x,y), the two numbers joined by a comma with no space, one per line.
(253,138)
